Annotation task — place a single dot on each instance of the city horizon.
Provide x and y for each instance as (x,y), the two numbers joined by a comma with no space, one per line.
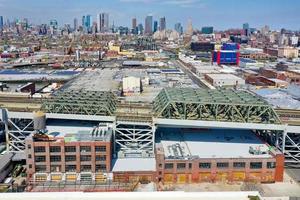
(121,12)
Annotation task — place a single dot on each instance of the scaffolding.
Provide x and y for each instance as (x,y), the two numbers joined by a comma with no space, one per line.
(213,105)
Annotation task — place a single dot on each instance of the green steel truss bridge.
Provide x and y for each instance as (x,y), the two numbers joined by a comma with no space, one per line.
(213,105)
(81,102)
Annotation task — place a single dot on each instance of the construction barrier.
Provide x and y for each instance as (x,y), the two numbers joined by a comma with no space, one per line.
(238,176)
(181,178)
(40,177)
(56,177)
(100,178)
(204,177)
(71,177)
(222,176)
(168,178)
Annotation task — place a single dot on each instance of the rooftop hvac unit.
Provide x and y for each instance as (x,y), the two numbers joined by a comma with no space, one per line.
(258,150)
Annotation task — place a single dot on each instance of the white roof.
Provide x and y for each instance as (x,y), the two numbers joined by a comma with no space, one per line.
(134,164)
(213,143)
(224,76)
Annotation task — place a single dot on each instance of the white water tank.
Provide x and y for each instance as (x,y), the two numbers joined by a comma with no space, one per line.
(39,120)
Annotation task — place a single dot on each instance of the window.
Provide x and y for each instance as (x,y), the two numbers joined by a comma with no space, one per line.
(55,149)
(30,166)
(100,167)
(255,165)
(39,149)
(169,166)
(85,168)
(70,168)
(40,168)
(29,146)
(222,165)
(70,149)
(190,165)
(271,165)
(29,156)
(85,158)
(85,149)
(55,158)
(40,159)
(180,165)
(70,158)
(100,148)
(239,165)
(100,157)
(160,165)
(55,168)
(204,165)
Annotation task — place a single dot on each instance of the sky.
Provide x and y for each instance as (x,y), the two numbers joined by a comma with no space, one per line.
(222,14)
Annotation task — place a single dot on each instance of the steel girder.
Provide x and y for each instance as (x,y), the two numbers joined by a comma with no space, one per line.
(287,143)
(134,138)
(16,132)
(213,105)
(81,102)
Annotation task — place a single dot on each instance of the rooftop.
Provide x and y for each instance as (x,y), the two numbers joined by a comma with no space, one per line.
(224,76)
(210,143)
(134,164)
(72,131)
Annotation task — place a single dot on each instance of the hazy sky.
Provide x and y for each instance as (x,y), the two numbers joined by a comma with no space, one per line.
(221,14)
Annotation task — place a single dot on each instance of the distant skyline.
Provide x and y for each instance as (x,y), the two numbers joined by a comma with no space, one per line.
(222,14)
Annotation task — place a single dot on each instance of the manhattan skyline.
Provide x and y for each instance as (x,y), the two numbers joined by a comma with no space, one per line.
(220,14)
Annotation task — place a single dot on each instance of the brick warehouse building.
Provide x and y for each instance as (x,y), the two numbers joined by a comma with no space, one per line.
(70,157)
(187,156)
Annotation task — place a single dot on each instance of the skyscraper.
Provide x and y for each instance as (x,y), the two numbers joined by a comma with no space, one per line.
(162,24)
(189,30)
(179,28)
(88,21)
(83,21)
(155,26)
(140,29)
(246,28)
(148,25)
(1,22)
(75,24)
(134,23)
(103,22)
(207,30)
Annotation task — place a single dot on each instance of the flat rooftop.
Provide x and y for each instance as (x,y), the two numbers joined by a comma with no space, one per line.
(209,143)
(133,164)
(72,131)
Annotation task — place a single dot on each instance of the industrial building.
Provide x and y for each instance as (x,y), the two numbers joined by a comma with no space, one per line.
(202,46)
(223,80)
(70,152)
(188,135)
(209,155)
(225,57)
